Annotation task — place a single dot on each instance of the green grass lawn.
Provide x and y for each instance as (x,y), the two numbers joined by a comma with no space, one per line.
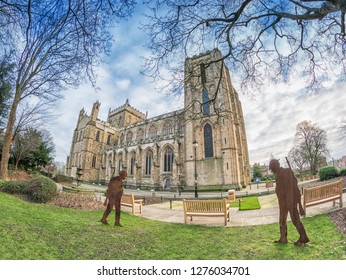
(38,231)
(247,203)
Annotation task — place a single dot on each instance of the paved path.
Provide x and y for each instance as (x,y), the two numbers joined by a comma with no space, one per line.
(269,213)
(172,212)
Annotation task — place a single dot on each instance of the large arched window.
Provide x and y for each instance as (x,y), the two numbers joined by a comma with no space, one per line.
(205,102)
(208,141)
(168,160)
(148,162)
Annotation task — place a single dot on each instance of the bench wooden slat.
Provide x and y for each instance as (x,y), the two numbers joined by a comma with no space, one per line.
(207,208)
(322,194)
(129,200)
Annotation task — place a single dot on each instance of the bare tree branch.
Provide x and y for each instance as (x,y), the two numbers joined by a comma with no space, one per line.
(262,41)
(55,45)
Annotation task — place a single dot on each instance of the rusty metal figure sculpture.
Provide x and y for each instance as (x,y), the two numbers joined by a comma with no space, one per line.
(113,198)
(289,201)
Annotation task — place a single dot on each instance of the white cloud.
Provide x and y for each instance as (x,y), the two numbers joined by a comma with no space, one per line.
(122,84)
(270,118)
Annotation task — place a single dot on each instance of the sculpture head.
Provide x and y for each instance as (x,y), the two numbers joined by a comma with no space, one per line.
(274,165)
(123,174)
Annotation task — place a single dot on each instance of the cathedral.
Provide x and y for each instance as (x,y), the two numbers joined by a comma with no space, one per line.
(203,144)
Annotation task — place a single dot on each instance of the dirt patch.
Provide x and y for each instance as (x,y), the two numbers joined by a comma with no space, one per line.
(78,201)
(339,219)
(319,183)
(19,175)
(91,201)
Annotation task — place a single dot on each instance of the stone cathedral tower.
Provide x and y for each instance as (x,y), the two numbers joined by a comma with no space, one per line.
(215,139)
(204,143)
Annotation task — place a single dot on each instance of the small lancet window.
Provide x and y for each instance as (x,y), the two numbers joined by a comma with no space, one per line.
(203,74)
(205,102)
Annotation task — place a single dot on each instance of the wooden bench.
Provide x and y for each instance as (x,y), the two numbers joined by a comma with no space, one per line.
(207,208)
(130,201)
(321,194)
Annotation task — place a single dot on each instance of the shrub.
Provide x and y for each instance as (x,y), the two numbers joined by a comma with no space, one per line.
(60,178)
(14,187)
(328,172)
(342,172)
(41,189)
(1,183)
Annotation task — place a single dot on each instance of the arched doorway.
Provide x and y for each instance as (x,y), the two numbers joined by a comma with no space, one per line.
(168,184)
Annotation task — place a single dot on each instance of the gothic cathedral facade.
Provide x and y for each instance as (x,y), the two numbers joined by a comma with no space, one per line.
(203,143)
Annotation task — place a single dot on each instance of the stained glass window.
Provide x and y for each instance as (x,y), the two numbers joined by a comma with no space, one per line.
(132,165)
(148,160)
(168,160)
(208,141)
(205,102)
(203,74)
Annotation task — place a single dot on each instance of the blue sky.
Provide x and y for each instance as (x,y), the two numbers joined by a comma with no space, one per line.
(270,117)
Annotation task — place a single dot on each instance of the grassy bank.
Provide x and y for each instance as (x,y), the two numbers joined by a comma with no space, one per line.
(38,231)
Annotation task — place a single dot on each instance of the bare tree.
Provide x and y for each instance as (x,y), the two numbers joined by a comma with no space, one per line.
(54,46)
(298,157)
(34,114)
(312,142)
(261,40)
(25,142)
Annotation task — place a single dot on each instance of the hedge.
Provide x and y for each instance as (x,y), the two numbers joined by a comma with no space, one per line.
(328,172)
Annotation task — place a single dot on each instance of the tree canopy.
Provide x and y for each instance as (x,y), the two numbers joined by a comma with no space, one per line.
(32,148)
(262,41)
(310,146)
(53,44)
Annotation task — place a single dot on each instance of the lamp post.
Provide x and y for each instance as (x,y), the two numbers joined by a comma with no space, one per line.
(195,145)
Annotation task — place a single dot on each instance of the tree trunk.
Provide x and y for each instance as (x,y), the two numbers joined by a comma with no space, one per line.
(17,162)
(6,149)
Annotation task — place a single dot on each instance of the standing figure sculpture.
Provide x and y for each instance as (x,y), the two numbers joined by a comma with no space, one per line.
(113,197)
(289,200)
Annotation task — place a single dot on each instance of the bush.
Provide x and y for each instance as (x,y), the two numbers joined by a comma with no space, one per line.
(60,178)
(41,189)
(342,172)
(328,172)
(14,187)
(1,183)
